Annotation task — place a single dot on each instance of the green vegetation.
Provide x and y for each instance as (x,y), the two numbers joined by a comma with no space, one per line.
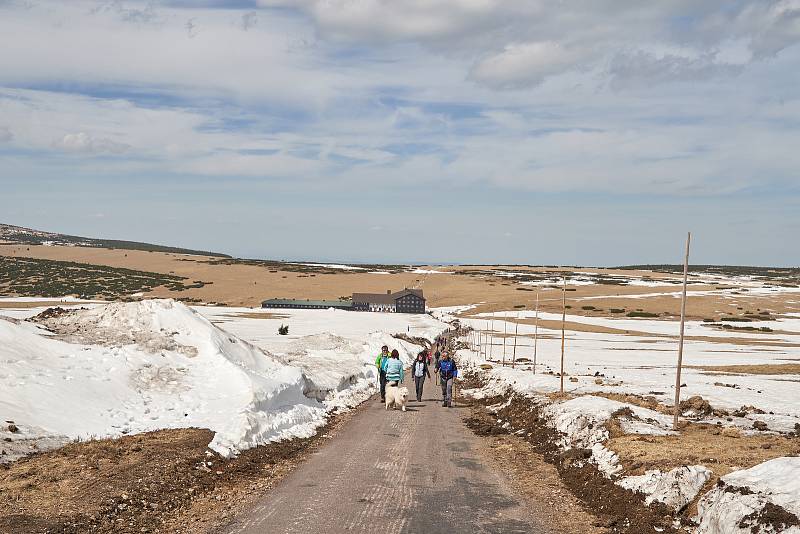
(274,266)
(640,314)
(778,276)
(283,330)
(740,328)
(28,277)
(617,310)
(26,236)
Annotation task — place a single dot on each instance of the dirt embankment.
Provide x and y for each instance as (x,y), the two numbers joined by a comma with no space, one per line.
(616,509)
(165,481)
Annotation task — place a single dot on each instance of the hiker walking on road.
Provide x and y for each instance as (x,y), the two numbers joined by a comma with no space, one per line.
(447,370)
(380,363)
(394,370)
(437,355)
(419,370)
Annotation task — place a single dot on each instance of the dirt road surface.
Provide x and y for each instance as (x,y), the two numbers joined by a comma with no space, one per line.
(417,471)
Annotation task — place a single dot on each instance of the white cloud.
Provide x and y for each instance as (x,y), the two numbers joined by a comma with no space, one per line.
(523,65)
(5,135)
(519,44)
(83,142)
(408,92)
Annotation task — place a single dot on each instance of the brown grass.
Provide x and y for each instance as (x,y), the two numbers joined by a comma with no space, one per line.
(700,444)
(248,285)
(759,369)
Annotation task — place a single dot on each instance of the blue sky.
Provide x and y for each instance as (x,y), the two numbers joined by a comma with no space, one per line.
(592,133)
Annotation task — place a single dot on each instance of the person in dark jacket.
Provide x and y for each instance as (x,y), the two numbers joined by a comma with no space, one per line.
(437,355)
(419,370)
(447,371)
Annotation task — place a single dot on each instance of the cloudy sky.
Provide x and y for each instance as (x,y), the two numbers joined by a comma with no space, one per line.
(592,132)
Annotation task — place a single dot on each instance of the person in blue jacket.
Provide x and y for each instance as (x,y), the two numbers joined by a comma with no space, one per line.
(394,370)
(447,370)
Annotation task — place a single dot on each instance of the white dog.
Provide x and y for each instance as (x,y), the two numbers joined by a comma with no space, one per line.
(396,396)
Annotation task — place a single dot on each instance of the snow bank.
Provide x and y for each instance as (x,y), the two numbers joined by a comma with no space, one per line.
(133,367)
(160,365)
(734,505)
(335,348)
(582,423)
(675,488)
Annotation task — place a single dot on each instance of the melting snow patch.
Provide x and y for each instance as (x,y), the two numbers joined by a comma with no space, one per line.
(675,488)
(760,499)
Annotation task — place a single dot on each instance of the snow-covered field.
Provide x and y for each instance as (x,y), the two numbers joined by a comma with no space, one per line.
(120,368)
(643,361)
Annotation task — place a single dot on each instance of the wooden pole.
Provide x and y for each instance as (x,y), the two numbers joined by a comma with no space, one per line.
(514,354)
(485,352)
(563,324)
(491,339)
(680,342)
(505,333)
(536,331)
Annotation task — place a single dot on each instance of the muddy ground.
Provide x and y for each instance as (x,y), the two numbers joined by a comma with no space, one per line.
(528,447)
(615,509)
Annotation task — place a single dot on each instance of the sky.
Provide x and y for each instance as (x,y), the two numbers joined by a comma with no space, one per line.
(578,132)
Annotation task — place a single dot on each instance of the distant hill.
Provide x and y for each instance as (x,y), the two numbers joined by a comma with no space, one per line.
(26,236)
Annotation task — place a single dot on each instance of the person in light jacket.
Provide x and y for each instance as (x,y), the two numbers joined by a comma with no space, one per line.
(419,370)
(394,370)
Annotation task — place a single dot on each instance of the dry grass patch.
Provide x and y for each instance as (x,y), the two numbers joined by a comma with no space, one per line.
(700,444)
(758,369)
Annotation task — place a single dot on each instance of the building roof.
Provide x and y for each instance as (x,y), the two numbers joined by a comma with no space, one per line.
(406,291)
(385,298)
(373,298)
(326,303)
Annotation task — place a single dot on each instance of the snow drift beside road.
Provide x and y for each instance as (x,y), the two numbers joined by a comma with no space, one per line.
(149,365)
(737,503)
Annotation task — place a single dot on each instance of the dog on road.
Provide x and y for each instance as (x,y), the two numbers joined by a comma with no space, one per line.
(396,396)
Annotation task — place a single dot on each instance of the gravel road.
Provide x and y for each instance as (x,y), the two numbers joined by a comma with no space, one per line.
(416,472)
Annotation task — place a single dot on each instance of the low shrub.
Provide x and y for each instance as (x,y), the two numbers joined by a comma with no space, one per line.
(641,314)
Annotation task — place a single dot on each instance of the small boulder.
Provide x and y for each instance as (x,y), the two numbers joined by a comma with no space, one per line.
(696,405)
(760,425)
(13,428)
(731,432)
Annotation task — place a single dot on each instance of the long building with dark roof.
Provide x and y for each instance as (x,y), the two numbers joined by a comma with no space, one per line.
(405,301)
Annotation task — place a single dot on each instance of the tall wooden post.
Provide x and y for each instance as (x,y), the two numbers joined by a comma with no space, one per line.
(485,352)
(505,333)
(516,331)
(536,331)
(491,339)
(680,342)
(563,326)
